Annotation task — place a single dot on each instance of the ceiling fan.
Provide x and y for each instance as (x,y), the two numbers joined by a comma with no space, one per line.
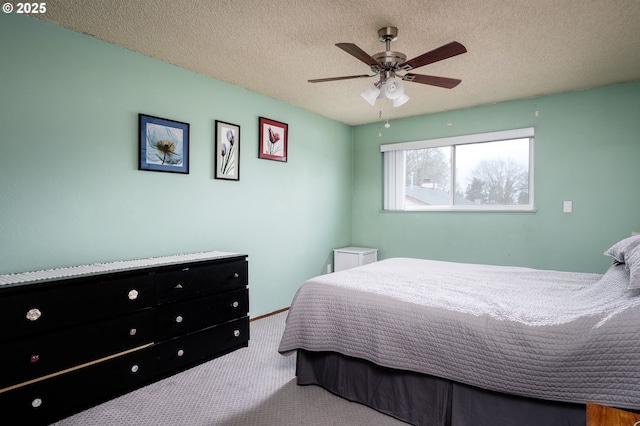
(387,64)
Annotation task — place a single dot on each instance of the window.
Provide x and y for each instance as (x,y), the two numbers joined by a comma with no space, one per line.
(487,171)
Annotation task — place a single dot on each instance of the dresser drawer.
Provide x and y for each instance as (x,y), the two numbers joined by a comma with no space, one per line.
(197,279)
(181,352)
(52,399)
(49,353)
(186,317)
(80,300)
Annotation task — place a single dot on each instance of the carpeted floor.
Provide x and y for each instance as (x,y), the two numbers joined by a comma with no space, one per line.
(251,386)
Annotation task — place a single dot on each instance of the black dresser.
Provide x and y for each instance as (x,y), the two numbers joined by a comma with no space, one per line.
(73,337)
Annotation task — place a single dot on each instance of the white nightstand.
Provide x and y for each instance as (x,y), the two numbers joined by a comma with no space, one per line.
(350,257)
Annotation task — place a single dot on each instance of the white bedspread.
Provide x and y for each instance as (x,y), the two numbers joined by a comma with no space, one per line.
(562,336)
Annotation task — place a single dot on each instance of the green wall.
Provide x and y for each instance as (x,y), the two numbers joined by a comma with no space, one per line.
(71,192)
(587,150)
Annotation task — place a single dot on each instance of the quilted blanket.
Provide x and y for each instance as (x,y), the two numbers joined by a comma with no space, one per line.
(561,336)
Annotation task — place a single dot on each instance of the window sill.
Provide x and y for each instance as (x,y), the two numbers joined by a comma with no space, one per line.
(454,210)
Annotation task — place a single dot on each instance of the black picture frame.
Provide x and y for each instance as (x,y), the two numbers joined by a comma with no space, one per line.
(227,151)
(163,144)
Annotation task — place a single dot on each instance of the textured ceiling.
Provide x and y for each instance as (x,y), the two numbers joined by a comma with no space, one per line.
(516,48)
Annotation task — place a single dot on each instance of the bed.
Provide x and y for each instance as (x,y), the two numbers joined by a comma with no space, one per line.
(453,344)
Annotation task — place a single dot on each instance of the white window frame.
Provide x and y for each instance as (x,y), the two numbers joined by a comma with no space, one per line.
(394,170)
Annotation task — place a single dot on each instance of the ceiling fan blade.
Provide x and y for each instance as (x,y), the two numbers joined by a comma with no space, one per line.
(447,83)
(321,80)
(358,53)
(443,52)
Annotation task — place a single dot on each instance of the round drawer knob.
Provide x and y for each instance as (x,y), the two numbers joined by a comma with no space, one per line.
(36,403)
(133,332)
(179,319)
(236,275)
(34,358)
(235,304)
(236,333)
(33,314)
(133,294)
(134,368)
(180,352)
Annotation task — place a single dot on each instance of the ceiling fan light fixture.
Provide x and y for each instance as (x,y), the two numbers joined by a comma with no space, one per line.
(400,101)
(371,94)
(393,88)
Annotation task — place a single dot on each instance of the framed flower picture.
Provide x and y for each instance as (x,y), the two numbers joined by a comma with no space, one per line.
(227,151)
(163,144)
(273,140)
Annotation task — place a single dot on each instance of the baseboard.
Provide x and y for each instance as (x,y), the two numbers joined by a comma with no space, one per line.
(270,313)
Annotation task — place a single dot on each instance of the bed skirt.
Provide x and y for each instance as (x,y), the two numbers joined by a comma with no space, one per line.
(425,400)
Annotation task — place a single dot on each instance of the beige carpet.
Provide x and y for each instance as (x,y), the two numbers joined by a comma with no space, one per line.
(251,386)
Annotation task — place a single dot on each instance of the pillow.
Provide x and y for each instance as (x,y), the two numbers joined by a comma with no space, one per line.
(632,263)
(619,250)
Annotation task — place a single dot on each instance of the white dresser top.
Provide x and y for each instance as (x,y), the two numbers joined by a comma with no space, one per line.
(97,268)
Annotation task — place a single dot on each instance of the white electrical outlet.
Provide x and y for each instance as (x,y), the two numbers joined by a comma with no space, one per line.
(328,268)
(567,207)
